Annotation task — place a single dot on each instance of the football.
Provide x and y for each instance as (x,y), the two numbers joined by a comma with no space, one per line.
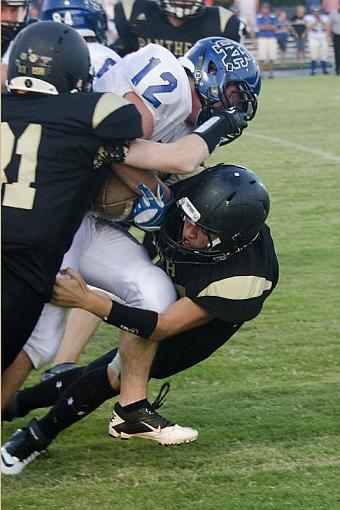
(114,200)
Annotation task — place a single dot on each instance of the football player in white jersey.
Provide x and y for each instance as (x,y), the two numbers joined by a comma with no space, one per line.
(161,83)
(108,257)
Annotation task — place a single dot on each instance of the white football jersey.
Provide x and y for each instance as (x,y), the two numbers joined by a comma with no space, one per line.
(102,58)
(155,75)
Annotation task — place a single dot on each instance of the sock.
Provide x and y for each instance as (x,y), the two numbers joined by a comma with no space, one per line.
(46,393)
(80,399)
(324,66)
(313,66)
(136,405)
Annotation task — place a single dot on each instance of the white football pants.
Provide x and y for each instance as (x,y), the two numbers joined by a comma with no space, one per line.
(109,258)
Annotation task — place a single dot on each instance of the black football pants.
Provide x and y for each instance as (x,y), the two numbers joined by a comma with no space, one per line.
(21,307)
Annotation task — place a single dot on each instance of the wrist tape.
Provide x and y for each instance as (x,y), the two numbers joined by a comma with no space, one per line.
(213,130)
(134,320)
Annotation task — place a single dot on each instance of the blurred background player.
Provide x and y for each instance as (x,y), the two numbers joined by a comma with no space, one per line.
(248,11)
(14,17)
(174,24)
(334,21)
(267,24)
(90,21)
(219,253)
(299,27)
(318,33)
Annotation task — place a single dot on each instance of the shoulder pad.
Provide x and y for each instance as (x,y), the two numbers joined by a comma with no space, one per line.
(127,8)
(225,16)
(106,104)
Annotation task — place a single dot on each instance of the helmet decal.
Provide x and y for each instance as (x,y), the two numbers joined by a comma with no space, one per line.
(42,60)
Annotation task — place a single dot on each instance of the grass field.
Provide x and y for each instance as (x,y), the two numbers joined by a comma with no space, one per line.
(267,404)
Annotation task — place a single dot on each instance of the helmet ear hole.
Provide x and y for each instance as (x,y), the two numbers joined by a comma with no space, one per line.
(212,68)
(231,196)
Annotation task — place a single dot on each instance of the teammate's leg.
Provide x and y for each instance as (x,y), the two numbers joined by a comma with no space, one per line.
(21,307)
(80,327)
(14,376)
(46,393)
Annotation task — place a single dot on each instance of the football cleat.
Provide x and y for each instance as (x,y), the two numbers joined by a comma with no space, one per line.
(146,423)
(22,448)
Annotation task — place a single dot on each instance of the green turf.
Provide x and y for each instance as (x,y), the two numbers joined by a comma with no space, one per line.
(267,404)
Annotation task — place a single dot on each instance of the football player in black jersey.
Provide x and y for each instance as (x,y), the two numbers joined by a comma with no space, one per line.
(13,18)
(175,24)
(219,253)
(54,141)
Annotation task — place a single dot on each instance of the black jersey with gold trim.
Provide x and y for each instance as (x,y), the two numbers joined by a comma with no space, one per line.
(50,165)
(140,22)
(233,290)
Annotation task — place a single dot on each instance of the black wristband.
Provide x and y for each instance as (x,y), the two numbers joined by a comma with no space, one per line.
(134,320)
(213,131)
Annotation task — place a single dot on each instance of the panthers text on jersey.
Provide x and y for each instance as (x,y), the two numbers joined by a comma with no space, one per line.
(50,145)
(155,75)
(140,22)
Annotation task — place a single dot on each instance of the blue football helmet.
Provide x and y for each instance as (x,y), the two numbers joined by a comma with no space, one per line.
(214,63)
(86,16)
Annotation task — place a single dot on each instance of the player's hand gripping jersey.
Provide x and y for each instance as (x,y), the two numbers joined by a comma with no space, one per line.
(155,75)
(50,166)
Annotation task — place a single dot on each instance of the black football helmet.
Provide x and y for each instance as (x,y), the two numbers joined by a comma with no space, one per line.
(18,9)
(181,9)
(216,62)
(49,58)
(227,200)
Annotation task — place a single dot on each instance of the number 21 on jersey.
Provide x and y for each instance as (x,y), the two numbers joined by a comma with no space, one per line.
(19,194)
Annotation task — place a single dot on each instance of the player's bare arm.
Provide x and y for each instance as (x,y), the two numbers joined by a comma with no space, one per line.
(181,157)
(184,155)
(181,316)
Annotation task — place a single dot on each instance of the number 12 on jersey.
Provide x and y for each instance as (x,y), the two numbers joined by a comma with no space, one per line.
(149,92)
